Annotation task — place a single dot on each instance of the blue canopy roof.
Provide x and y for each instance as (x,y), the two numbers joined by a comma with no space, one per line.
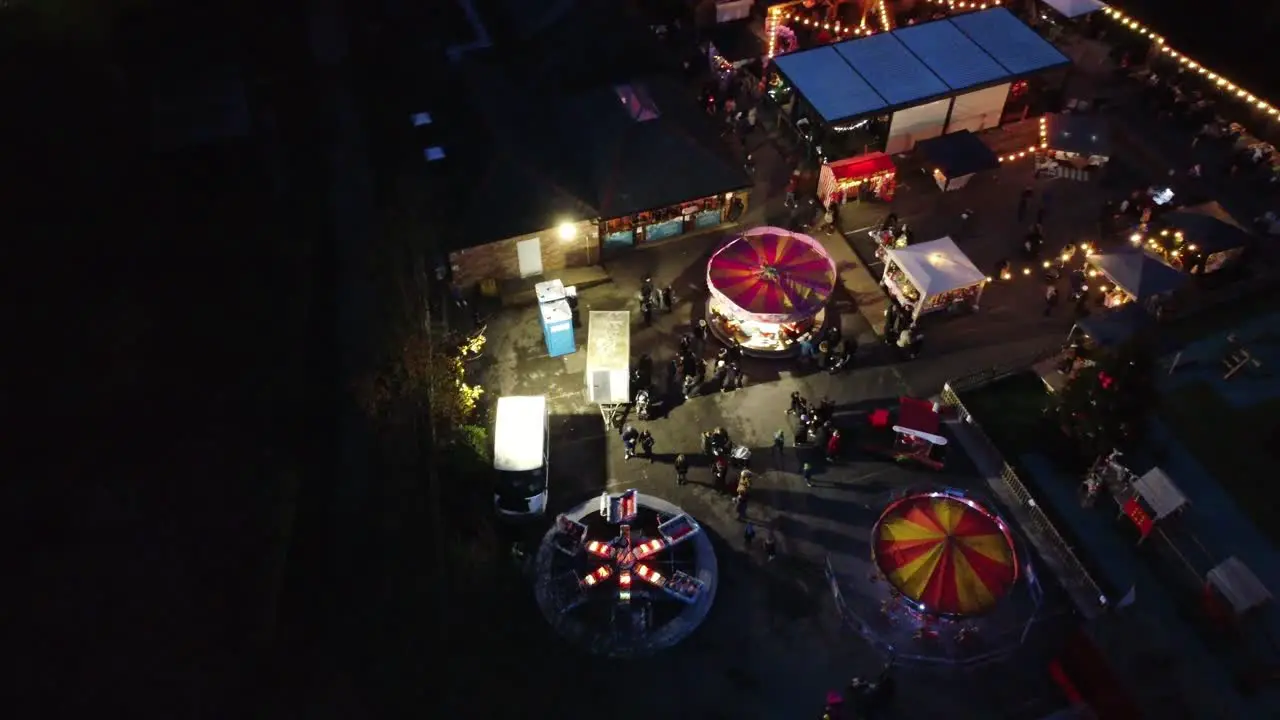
(1017,47)
(950,55)
(958,154)
(899,76)
(830,85)
(901,68)
(1139,274)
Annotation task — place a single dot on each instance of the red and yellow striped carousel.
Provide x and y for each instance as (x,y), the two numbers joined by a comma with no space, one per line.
(768,287)
(946,555)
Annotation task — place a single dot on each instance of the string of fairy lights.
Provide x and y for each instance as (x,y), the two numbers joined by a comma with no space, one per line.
(1226,86)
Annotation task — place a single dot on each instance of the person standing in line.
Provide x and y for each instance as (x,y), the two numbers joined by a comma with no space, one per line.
(792,185)
(682,469)
(770,545)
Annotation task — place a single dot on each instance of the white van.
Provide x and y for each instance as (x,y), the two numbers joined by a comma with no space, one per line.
(521,444)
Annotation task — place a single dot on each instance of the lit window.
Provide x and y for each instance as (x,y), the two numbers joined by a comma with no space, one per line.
(433,153)
(639,105)
(420,119)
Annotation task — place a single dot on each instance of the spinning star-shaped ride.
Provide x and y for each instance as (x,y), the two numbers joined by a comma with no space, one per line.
(623,556)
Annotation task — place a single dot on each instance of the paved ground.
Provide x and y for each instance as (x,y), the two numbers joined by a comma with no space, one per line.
(773,636)
(772,645)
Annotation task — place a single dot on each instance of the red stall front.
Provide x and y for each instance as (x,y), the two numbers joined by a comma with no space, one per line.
(872,174)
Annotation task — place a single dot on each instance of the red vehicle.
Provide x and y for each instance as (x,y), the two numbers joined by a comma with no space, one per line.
(909,433)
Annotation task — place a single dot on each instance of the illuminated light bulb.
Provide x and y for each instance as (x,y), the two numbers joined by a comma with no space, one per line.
(1213,76)
(1006,275)
(1026,271)
(1084,246)
(1066,257)
(1045,263)
(1093,273)
(1135,238)
(1192,248)
(1164,233)
(1031,149)
(1084,288)
(1262,105)
(987,279)
(1102,288)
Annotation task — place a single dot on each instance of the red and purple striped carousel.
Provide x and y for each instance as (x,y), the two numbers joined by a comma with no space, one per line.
(769,287)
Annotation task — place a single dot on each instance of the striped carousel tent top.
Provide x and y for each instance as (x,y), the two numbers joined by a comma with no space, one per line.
(948,555)
(772,275)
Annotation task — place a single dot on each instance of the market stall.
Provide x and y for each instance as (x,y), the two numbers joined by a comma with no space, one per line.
(768,287)
(1198,240)
(945,554)
(858,178)
(932,276)
(1079,141)
(1113,327)
(956,157)
(1238,585)
(1134,276)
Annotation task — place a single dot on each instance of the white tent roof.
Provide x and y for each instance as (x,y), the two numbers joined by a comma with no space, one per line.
(936,266)
(1238,585)
(1074,8)
(1160,493)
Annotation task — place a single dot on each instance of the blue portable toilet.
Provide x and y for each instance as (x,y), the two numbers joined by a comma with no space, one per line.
(557,327)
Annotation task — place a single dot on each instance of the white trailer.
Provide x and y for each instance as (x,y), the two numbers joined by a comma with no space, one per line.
(609,362)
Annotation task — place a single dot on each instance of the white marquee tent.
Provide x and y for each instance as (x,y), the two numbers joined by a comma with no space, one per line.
(1159,492)
(1238,585)
(1071,9)
(936,270)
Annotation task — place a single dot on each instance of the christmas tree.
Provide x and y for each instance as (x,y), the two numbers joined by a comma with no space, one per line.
(1105,406)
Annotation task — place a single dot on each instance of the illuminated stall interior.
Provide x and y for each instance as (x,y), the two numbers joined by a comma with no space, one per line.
(932,276)
(888,91)
(768,288)
(659,165)
(870,176)
(1198,240)
(956,158)
(1077,140)
(1131,275)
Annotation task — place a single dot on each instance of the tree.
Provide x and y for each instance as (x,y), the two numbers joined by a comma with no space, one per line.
(1105,406)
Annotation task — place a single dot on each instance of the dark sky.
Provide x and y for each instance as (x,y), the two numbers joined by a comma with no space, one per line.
(1235,38)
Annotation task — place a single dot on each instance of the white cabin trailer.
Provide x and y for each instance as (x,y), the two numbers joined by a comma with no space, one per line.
(609,357)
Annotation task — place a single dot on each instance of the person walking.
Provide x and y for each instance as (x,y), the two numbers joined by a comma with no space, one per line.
(807,351)
(833,446)
(1024,201)
(742,508)
(807,473)
(682,469)
(916,344)
(700,336)
(629,437)
(1050,299)
(748,534)
(744,487)
(646,444)
(792,185)
(770,545)
(779,453)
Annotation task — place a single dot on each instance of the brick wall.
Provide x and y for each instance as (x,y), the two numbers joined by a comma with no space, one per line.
(499,260)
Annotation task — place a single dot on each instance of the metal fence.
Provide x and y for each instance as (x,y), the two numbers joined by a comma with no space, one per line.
(1085,591)
(1001,645)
